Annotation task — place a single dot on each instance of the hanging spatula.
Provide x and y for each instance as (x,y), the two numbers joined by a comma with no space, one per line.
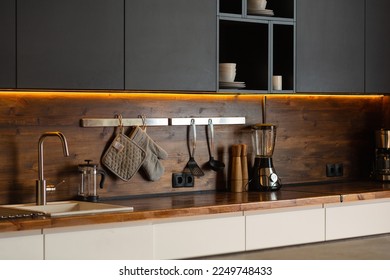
(192,166)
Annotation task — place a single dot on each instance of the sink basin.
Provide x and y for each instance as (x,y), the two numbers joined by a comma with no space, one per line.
(71,208)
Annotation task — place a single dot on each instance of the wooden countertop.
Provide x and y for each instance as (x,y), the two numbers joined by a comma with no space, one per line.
(203,203)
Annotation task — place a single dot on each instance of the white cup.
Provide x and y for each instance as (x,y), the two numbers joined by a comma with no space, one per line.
(257,4)
(277,82)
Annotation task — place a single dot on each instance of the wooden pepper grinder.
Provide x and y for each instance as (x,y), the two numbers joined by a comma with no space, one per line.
(244,167)
(236,175)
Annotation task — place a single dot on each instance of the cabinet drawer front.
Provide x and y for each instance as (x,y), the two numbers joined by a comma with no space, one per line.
(28,247)
(284,228)
(357,220)
(199,238)
(133,242)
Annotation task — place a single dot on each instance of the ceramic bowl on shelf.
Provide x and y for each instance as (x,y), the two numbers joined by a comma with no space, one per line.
(227,72)
(257,4)
(261,12)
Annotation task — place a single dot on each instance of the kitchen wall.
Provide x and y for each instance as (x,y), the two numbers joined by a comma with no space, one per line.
(386,112)
(312,131)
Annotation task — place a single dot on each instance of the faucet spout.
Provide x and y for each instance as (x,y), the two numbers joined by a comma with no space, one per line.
(41,182)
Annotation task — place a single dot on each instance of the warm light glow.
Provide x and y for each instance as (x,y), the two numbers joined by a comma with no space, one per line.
(200,96)
(343,95)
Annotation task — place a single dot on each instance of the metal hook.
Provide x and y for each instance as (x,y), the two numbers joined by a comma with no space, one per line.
(143,117)
(120,126)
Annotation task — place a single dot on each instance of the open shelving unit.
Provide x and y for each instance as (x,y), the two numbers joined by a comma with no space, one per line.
(260,45)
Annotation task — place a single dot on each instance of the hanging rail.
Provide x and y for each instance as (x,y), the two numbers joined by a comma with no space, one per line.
(90,122)
(96,122)
(205,121)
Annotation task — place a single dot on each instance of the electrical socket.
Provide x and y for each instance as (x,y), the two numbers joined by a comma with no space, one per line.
(182,180)
(334,170)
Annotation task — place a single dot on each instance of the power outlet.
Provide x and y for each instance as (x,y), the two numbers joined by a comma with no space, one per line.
(339,167)
(182,180)
(334,170)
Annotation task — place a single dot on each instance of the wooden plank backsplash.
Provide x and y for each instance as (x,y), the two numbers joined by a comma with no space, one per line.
(312,131)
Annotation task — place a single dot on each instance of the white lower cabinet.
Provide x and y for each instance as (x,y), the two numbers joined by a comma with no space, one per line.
(109,242)
(353,219)
(23,245)
(199,236)
(282,227)
(188,237)
(166,239)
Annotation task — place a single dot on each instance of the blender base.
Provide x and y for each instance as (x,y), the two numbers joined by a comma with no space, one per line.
(264,177)
(382,177)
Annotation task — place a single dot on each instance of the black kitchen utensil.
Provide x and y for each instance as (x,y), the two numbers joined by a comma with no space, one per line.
(215,165)
(192,166)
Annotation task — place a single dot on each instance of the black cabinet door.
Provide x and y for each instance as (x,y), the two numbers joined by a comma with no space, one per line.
(377,46)
(330,46)
(7,45)
(70,44)
(171,45)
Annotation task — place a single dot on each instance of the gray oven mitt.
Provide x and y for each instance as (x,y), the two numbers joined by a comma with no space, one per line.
(152,165)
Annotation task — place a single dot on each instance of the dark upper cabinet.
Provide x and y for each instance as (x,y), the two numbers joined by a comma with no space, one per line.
(70,44)
(171,45)
(7,45)
(330,45)
(377,46)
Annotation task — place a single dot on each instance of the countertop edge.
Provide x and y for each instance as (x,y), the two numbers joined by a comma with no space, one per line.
(292,198)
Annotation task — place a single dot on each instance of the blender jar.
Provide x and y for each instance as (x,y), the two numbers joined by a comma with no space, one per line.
(263,137)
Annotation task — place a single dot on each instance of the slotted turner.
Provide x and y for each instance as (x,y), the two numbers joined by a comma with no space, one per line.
(192,166)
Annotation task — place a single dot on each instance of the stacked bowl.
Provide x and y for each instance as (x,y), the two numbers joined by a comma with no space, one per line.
(227,72)
(257,7)
(257,4)
(227,75)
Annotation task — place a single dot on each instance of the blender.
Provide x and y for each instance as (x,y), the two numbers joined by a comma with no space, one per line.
(264,177)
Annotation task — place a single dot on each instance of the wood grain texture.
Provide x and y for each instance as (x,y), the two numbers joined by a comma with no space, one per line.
(24,224)
(213,202)
(312,131)
(386,112)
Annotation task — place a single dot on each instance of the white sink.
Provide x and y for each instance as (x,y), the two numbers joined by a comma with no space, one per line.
(71,208)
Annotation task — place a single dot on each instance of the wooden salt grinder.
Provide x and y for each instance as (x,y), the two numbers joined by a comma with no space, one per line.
(236,175)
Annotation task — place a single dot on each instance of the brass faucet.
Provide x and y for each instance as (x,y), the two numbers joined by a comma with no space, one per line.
(41,182)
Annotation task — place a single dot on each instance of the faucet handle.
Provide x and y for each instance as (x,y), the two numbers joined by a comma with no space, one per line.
(50,188)
(53,187)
